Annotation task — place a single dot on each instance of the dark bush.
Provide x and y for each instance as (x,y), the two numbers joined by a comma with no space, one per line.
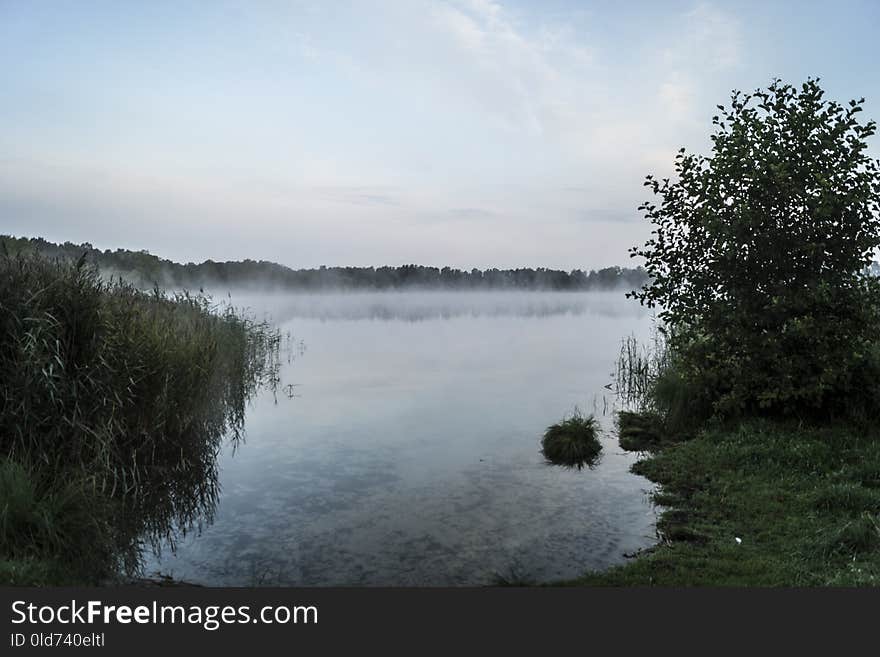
(758,258)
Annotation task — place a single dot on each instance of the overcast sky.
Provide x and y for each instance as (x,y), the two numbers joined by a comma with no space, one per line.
(467,133)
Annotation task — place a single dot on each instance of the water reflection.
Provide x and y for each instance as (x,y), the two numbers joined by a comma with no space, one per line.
(412,306)
(411,454)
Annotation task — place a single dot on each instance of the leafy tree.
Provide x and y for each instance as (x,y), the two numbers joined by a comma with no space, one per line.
(759,254)
(146,270)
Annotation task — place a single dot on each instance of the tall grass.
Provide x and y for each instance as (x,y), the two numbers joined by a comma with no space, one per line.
(573,442)
(659,400)
(43,520)
(121,395)
(639,367)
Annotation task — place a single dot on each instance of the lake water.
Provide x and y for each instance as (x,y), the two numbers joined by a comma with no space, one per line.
(410,454)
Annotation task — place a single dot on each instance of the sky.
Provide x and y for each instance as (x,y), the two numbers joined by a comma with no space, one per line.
(468,133)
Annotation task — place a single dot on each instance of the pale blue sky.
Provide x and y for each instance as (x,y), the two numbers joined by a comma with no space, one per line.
(468,133)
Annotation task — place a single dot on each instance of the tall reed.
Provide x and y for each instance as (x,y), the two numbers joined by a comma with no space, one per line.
(639,366)
(123,395)
(661,401)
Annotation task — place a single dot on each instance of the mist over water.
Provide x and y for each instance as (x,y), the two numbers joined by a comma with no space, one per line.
(415,305)
(410,453)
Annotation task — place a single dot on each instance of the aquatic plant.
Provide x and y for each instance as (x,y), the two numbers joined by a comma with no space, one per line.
(573,442)
(118,402)
(640,432)
(657,398)
(637,369)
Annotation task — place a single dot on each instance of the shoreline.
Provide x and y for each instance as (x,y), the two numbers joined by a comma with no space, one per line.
(760,504)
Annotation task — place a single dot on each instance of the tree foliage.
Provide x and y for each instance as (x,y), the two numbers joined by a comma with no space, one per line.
(759,254)
(146,270)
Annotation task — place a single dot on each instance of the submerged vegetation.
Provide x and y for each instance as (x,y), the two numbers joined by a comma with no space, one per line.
(758,406)
(573,442)
(114,405)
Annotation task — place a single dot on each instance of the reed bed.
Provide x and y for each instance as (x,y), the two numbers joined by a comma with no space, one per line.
(115,403)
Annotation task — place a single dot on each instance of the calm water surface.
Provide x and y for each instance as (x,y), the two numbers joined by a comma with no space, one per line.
(410,453)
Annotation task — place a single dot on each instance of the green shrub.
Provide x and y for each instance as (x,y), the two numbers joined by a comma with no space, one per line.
(573,442)
(758,260)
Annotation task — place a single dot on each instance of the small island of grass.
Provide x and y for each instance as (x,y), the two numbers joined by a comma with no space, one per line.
(573,442)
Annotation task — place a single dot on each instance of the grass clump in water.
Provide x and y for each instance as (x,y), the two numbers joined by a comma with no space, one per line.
(573,442)
(640,432)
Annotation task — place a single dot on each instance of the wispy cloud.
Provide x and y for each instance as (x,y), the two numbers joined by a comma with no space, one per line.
(708,42)
(464,132)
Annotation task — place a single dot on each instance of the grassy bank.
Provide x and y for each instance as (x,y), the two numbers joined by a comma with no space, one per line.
(114,405)
(805,504)
(745,501)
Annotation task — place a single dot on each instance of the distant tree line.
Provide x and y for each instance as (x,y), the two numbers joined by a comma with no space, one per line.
(146,269)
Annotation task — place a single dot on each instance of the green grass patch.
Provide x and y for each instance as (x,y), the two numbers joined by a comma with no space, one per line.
(640,432)
(802,502)
(573,442)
